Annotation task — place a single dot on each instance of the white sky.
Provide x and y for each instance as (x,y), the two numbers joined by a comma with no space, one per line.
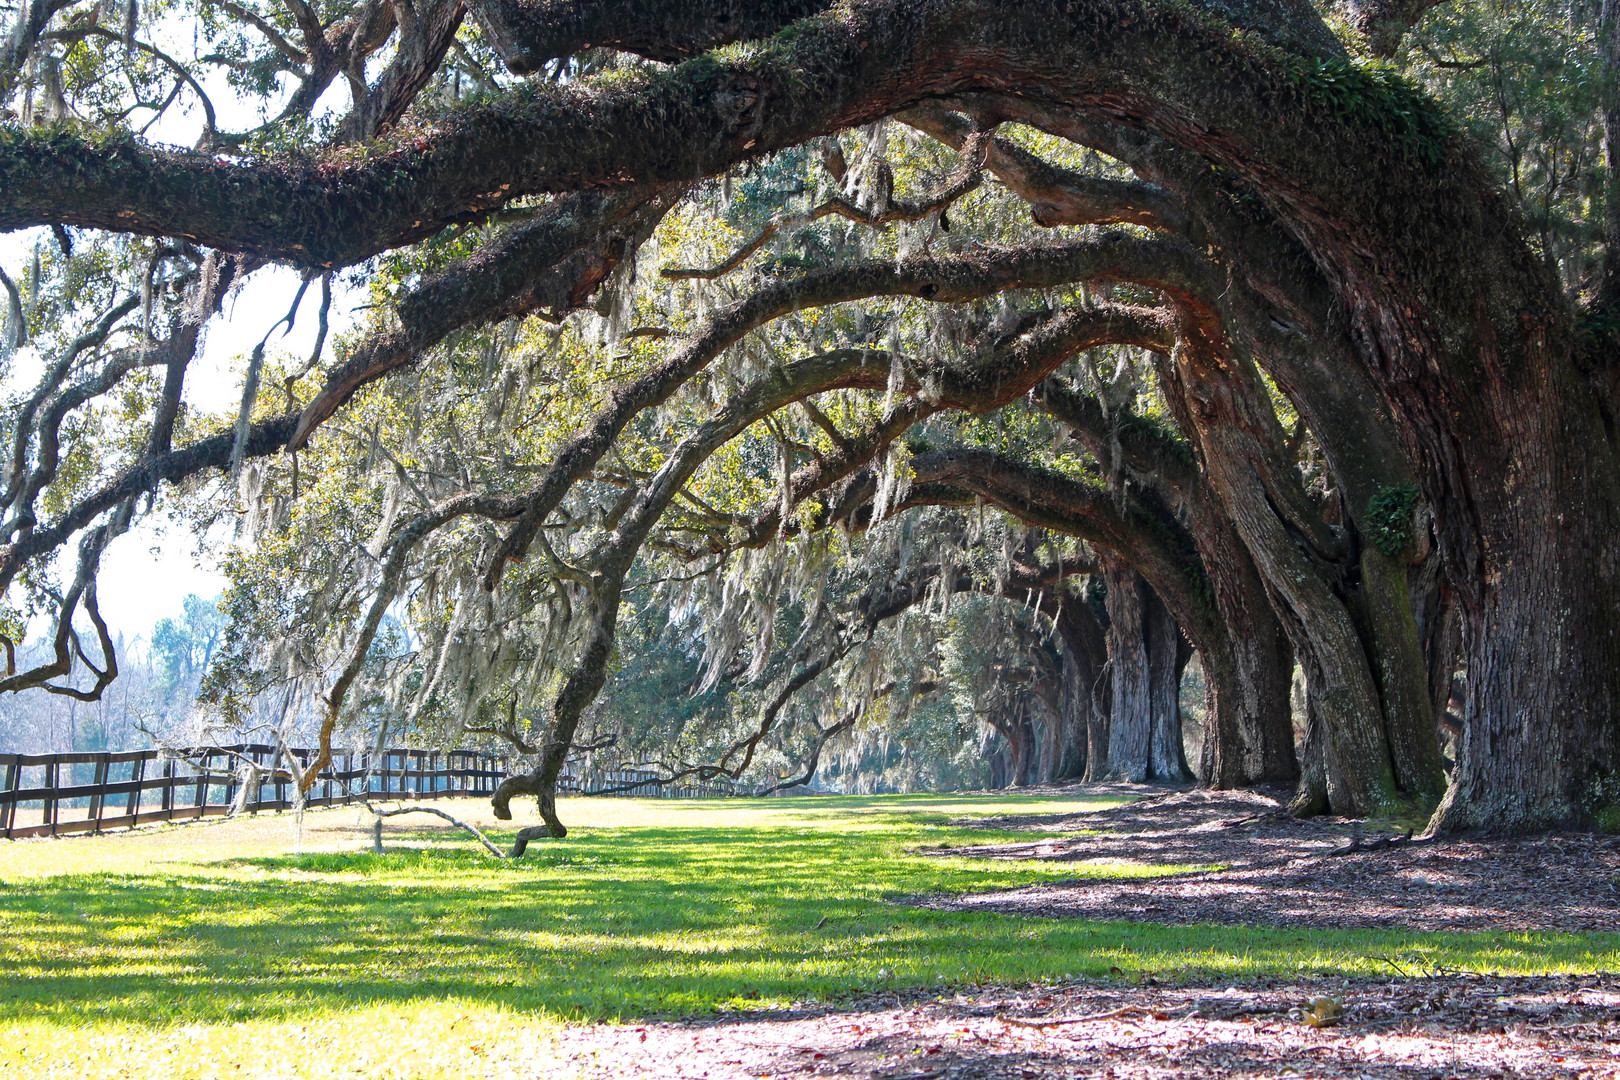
(147,573)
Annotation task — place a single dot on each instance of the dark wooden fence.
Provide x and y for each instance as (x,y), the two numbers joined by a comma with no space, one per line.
(52,794)
(637,784)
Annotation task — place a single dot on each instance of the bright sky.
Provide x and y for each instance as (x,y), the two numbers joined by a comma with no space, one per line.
(147,573)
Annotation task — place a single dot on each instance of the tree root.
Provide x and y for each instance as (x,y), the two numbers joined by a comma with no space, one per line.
(521,843)
(1358,844)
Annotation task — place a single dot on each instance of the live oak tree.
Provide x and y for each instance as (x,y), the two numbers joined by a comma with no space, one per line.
(689,286)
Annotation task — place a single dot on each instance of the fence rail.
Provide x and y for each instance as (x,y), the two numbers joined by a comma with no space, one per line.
(638,784)
(94,792)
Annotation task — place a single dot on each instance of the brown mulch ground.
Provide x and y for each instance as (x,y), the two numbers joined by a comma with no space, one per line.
(1280,872)
(1409,1029)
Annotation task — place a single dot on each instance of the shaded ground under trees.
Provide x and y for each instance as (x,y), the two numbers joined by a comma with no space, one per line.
(1277,870)
(1450,1025)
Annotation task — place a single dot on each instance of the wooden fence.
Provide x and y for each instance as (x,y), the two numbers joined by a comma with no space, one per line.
(637,784)
(52,794)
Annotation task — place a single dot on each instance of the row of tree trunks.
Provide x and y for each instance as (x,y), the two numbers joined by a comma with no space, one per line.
(1471,360)
(1247,660)
(1077,700)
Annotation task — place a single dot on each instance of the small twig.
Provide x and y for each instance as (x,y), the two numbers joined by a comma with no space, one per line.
(1393,964)
(1123,1010)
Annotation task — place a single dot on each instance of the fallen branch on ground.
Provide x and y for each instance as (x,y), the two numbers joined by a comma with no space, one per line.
(467,825)
(1358,844)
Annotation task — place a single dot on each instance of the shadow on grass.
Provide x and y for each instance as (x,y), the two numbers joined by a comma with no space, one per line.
(628,922)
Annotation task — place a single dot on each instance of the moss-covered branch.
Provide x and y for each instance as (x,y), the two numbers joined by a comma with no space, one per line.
(1160,264)
(528,33)
(552,264)
(1146,535)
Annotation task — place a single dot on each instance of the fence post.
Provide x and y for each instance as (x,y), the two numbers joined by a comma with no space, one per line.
(168,788)
(8,812)
(53,775)
(137,776)
(100,781)
(258,782)
(275,775)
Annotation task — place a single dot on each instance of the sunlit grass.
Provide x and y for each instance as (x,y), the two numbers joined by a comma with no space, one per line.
(188,947)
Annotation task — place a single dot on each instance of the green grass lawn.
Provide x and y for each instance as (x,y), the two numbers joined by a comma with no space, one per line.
(182,950)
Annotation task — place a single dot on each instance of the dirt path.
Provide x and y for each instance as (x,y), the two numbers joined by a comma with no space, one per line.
(1409,1029)
(1280,872)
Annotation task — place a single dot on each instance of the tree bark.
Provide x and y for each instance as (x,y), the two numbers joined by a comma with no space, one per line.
(1083,650)
(1167,658)
(1130,734)
(1146,656)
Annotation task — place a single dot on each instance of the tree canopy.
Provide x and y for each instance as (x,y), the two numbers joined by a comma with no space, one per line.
(794,369)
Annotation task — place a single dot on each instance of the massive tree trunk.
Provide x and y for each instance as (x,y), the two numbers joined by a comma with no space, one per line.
(1146,655)
(1249,735)
(1083,651)
(1130,732)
